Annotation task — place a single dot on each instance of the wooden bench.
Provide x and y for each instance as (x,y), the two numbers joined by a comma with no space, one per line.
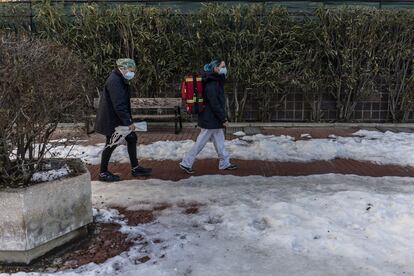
(138,104)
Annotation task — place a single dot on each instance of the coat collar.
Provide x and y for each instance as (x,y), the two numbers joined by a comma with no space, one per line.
(119,74)
(212,76)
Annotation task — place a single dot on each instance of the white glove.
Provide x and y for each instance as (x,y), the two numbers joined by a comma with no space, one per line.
(141,126)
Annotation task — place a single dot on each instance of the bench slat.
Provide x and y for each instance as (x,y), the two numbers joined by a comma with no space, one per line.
(146,116)
(155,102)
(149,116)
(150,103)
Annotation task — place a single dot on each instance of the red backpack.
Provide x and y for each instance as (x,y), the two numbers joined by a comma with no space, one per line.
(192,93)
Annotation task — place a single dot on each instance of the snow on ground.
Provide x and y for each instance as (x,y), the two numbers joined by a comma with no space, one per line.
(383,148)
(239,133)
(313,225)
(50,175)
(306,136)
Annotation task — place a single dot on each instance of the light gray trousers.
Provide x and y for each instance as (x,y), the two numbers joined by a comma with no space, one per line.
(206,135)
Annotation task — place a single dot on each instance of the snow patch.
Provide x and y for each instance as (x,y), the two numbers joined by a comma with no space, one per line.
(305,136)
(44,176)
(313,225)
(382,148)
(239,133)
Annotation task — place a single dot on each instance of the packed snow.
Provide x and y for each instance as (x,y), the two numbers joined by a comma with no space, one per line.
(313,225)
(305,136)
(382,148)
(308,225)
(239,133)
(50,175)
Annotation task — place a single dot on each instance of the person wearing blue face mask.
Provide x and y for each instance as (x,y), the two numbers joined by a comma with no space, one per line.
(212,120)
(115,110)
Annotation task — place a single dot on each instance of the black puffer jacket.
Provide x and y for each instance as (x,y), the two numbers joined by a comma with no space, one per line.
(114,105)
(214,114)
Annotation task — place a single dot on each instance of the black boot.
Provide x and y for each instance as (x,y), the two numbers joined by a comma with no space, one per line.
(231,167)
(186,169)
(108,177)
(141,171)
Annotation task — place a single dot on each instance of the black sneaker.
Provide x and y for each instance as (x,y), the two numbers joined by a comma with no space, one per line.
(186,169)
(141,171)
(108,177)
(231,167)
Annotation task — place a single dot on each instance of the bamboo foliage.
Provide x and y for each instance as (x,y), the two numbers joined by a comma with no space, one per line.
(396,62)
(349,43)
(350,55)
(308,71)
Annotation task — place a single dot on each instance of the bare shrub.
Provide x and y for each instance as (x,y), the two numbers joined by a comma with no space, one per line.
(41,85)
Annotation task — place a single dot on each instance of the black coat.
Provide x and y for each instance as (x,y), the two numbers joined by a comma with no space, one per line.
(114,105)
(214,114)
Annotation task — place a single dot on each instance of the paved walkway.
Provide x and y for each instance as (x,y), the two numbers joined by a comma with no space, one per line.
(168,170)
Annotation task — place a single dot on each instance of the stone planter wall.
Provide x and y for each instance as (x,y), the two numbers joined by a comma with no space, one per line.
(39,218)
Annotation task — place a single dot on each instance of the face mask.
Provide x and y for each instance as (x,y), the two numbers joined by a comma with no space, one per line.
(129,75)
(223,71)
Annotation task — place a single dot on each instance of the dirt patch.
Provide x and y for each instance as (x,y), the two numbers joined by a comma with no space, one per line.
(144,259)
(137,217)
(190,208)
(185,204)
(104,241)
(162,206)
(108,243)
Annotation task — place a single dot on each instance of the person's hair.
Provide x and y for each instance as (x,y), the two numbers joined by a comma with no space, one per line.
(215,62)
(125,63)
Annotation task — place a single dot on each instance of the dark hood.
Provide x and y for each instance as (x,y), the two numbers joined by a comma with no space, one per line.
(213,76)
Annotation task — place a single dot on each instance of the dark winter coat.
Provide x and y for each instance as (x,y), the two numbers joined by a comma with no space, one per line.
(114,105)
(214,115)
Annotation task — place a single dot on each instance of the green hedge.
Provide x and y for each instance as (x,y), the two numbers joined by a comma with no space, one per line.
(345,54)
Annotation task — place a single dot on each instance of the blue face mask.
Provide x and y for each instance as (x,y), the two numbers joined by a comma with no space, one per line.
(223,71)
(129,75)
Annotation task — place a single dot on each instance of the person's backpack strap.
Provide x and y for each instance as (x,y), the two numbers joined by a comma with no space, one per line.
(195,98)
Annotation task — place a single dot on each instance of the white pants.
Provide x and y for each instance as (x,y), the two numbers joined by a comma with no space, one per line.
(217,137)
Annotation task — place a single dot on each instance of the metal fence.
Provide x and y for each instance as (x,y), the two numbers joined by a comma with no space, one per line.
(294,108)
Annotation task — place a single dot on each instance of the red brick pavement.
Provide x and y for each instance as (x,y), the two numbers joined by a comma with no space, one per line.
(169,170)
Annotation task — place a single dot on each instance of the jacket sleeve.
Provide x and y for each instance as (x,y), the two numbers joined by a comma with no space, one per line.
(212,100)
(119,99)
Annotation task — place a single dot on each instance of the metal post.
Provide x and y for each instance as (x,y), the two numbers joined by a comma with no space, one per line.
(31,18)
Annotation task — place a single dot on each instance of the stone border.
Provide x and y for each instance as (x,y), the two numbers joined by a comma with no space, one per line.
(43,216)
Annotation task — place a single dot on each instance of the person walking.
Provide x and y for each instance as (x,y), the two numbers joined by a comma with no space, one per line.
(115,110)
(212,120)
